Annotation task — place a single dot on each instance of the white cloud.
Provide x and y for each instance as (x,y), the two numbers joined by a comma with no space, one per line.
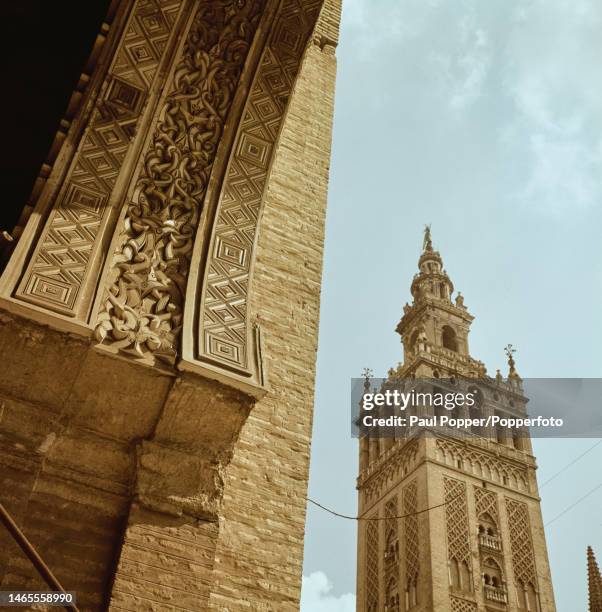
(465,69)
(315,596)
(393,22)
(551,76)
(564,175)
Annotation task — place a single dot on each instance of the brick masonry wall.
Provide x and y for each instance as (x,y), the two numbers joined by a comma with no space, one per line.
(260,547)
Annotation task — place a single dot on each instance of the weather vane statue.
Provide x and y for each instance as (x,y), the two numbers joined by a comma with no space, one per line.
(427,245)
(510,350)
(367,375)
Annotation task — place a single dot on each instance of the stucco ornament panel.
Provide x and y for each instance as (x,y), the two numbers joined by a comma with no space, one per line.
(143,306)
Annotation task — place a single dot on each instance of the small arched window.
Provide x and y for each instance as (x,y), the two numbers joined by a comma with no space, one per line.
(413,341)
(492,575)
(392,596)
(455,573)
(522,595)
(531,597)
(465,581)
(448,338)
(517,439)
(411,593)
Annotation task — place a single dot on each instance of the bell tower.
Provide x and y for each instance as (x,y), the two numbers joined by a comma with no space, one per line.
(434,329)
(450,520)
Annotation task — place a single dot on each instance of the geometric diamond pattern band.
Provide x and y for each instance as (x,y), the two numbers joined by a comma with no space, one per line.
(60,266)
(225,336)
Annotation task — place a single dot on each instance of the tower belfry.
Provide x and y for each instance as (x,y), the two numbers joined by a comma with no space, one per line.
(481,548)
(434,329)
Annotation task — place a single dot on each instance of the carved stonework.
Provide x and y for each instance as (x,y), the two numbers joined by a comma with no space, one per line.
(144,303)
(225,335)
(372,590)
(62,263)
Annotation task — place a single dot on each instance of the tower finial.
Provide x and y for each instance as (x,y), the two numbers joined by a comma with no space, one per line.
(510,350)
(367,375)
(427,244)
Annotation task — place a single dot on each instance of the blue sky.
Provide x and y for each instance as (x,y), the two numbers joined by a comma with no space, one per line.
(485,120)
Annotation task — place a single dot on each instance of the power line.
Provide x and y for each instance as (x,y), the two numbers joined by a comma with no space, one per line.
(380,518)
(574,504)
(568,465)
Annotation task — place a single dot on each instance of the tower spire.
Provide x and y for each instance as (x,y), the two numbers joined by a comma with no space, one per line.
(594,581)
(432,279)
(434,327)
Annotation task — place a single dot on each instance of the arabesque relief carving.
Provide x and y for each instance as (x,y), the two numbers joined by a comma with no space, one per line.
(143,306)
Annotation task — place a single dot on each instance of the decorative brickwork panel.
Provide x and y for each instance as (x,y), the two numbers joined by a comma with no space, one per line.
(486,503)
(225,336)
(456,517)
(488,518)
(372,590)
(392,555)
(398,465)
(482,464)
(391,531)
(523,559)
(412,541)
(458,533)
(61,264)
(144,304)
(462,605)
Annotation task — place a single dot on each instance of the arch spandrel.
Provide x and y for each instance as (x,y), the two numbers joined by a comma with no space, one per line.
(174,212)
